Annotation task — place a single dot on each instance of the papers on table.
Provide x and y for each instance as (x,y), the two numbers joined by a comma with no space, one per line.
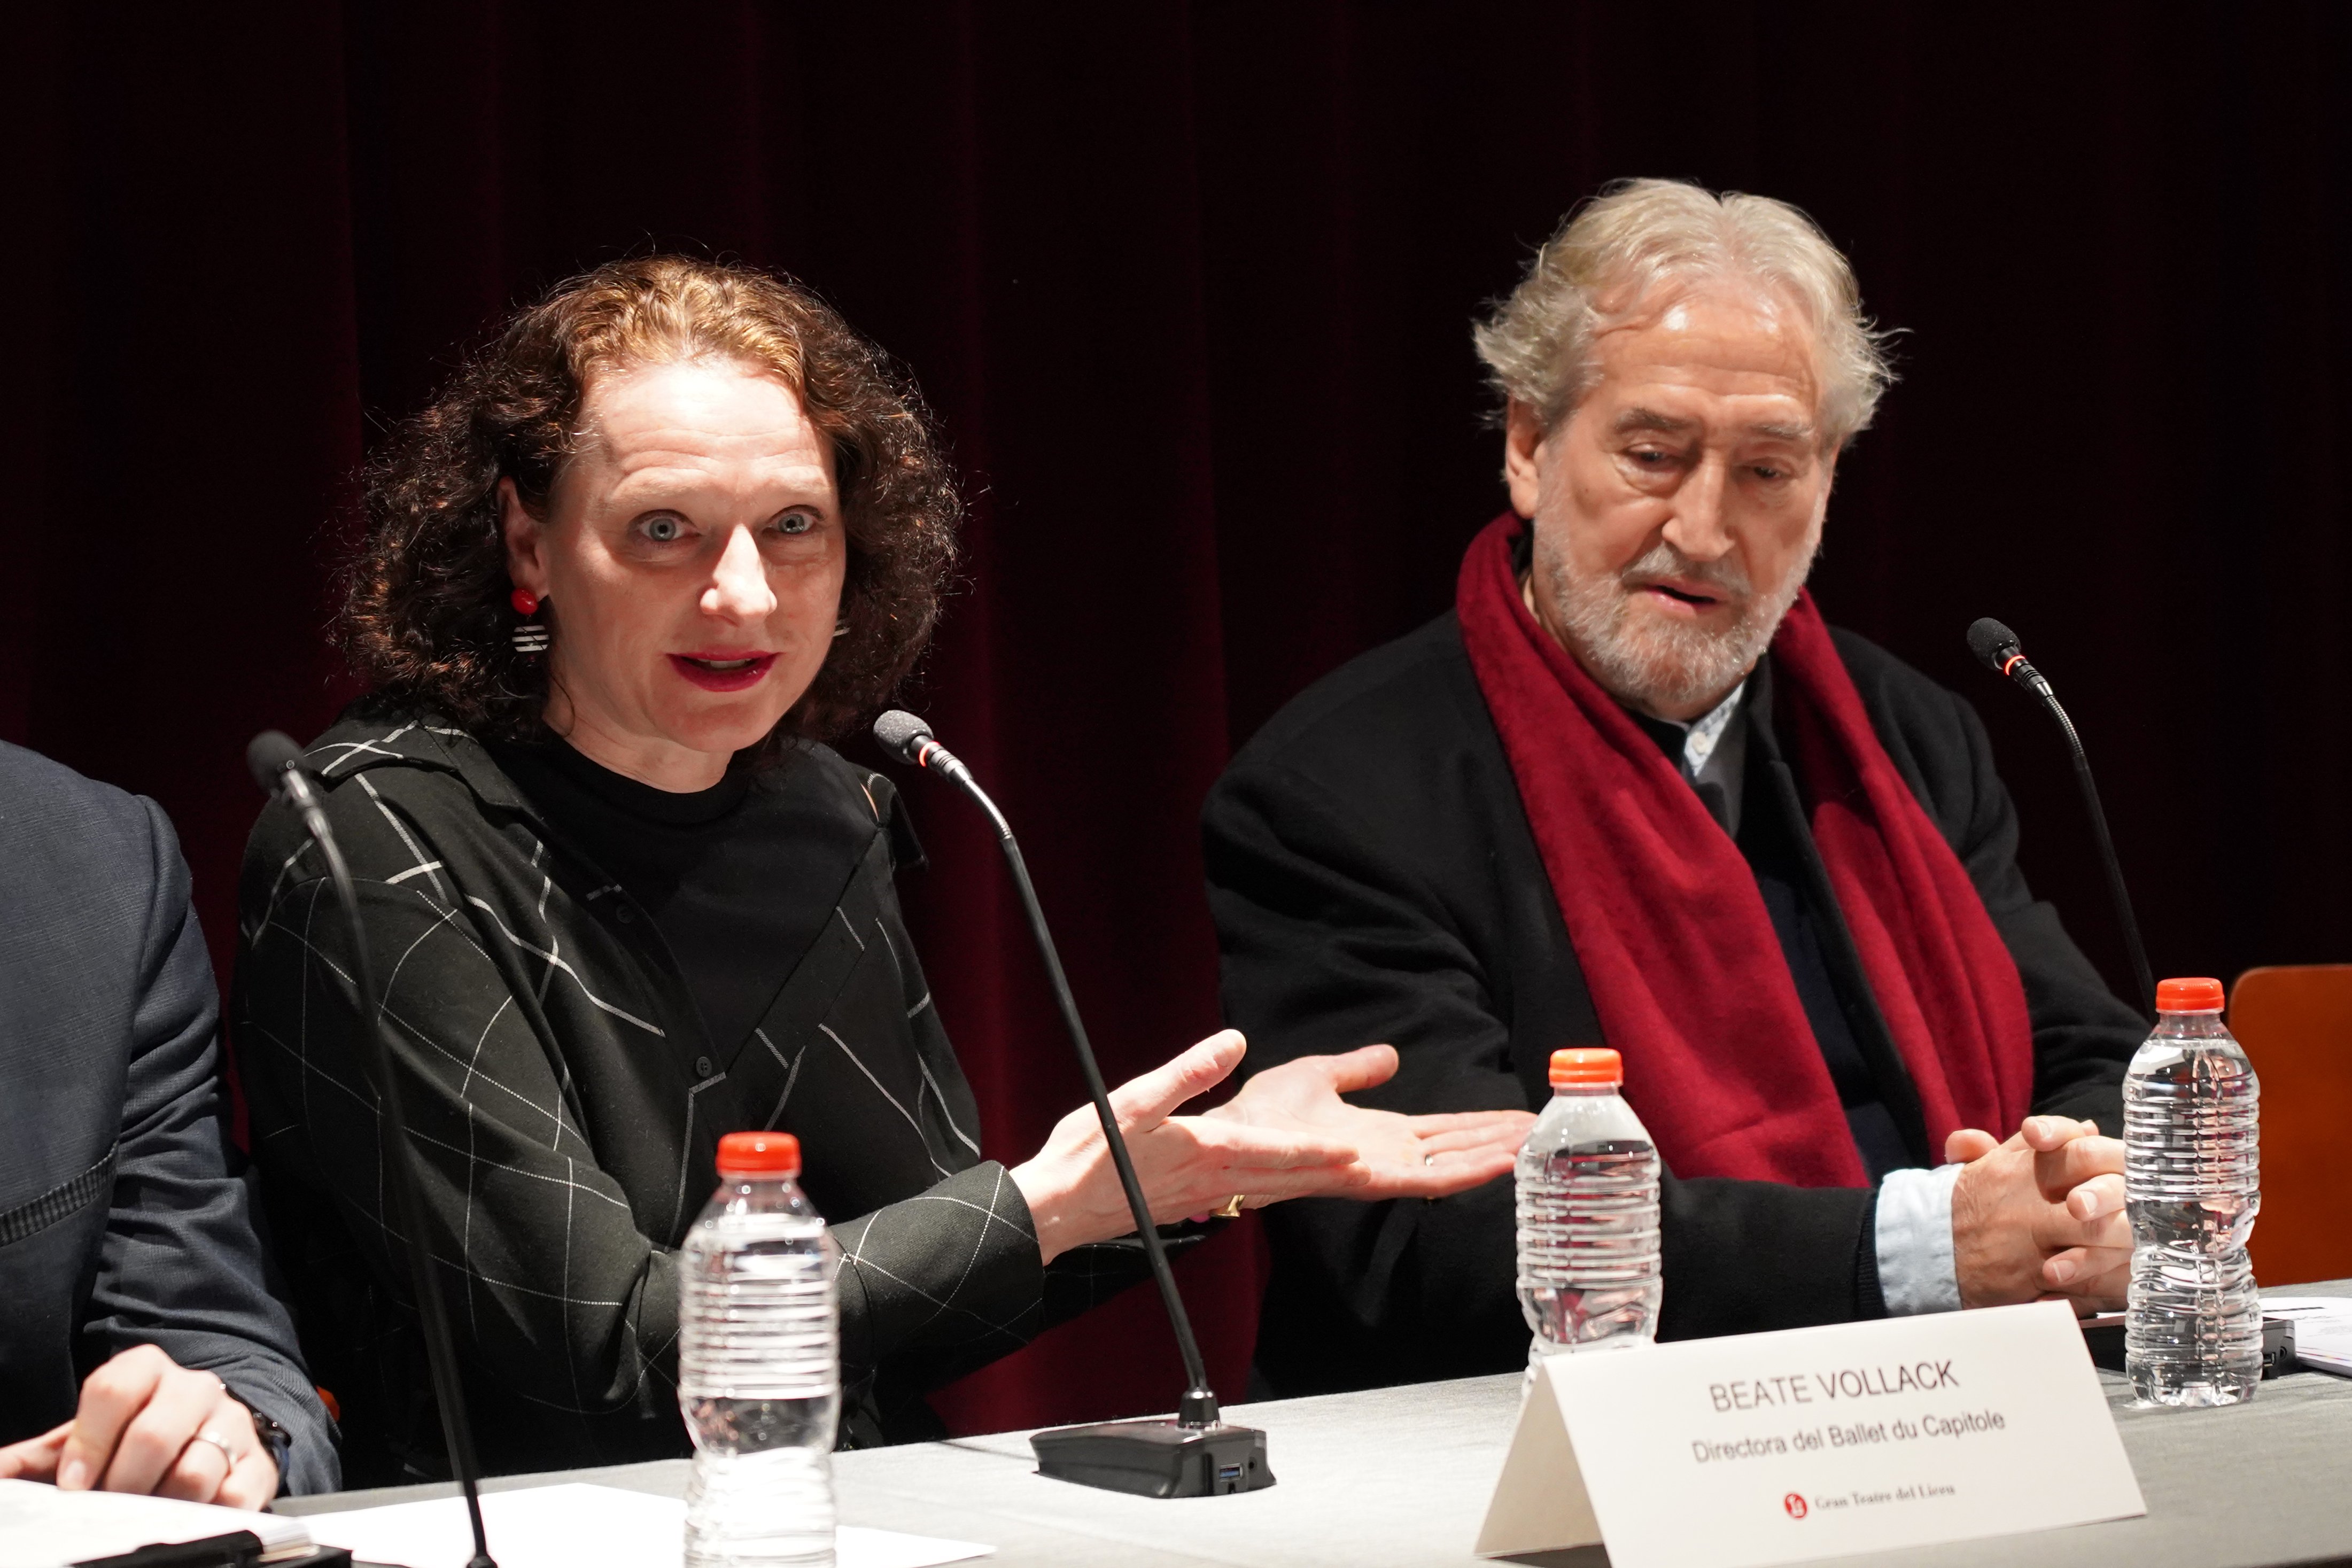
(2322,1330)
(41,1527)
(580,1526)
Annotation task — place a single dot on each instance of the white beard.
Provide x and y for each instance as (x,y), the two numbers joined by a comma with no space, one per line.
(1657,664)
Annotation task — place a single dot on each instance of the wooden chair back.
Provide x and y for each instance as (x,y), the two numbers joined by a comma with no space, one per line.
(2297,1026)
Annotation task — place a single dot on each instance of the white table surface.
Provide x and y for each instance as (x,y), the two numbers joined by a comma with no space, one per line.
(1401,1476)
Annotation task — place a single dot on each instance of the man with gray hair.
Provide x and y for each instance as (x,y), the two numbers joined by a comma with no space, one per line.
(1633,792)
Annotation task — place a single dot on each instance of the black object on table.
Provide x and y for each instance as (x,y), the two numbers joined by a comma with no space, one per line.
(237,1549)
(2105,1336)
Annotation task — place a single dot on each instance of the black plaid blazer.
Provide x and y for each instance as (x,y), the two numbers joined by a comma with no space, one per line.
(567,1105)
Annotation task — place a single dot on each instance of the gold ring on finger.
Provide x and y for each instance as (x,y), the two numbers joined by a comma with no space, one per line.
(218,1441)
(1230,1209)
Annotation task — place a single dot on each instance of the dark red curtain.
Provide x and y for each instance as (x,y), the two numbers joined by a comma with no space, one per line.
(1189,286)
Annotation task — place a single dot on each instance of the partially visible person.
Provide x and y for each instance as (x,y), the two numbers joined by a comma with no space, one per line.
(673,528)
(1634,792)
(140,1347)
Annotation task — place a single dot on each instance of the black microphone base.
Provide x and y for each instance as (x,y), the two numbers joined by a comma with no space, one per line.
(1156,1458)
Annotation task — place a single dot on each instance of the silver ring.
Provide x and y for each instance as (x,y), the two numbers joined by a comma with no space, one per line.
(218,1441)
(1429,1159)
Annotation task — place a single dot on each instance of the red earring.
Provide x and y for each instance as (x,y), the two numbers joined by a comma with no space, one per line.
(529,637)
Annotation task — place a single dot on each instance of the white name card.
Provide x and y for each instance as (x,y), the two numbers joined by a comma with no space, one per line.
(1763,1448)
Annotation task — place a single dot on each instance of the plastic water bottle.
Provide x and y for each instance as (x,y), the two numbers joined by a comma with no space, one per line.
(2192,1186)
(1588,1197)
(759,1365)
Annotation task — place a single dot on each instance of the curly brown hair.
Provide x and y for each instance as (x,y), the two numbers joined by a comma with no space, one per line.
(424,617)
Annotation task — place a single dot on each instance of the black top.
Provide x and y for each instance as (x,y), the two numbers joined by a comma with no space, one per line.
(566,1097)
(123,1220)
(1373,877)
(735,909)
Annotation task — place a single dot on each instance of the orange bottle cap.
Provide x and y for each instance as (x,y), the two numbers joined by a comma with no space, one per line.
(1587,1065)
(2189,996)
(759,1154)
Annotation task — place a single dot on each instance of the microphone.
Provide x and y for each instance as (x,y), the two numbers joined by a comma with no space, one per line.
(276,763)
(1997,649)
(910,741)
(1198,1454)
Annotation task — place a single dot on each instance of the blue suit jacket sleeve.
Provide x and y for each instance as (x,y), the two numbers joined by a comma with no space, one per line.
(123,1216)
(180,1266)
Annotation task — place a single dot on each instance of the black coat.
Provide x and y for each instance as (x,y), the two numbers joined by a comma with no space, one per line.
(122,1219)
(566,1103)
(1373,879)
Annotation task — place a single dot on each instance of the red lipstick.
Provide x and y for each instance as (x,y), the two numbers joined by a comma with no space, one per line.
(720,671)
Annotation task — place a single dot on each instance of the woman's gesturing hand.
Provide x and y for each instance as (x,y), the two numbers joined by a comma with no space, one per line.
(148,1424)
(1286,1135)
(1407,1156)
(1186,1163)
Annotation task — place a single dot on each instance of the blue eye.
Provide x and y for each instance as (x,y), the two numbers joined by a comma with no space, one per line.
(795,522)
(664,530)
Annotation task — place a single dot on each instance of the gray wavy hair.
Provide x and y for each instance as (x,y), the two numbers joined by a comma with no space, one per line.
(1609,254)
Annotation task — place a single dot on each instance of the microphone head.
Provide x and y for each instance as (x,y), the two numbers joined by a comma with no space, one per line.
(268,756)
(899,733)
(1993,644)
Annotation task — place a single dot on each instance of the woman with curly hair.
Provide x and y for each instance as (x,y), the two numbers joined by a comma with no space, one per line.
(673,529)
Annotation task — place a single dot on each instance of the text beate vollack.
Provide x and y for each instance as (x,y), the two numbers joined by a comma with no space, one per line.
(1842,1384)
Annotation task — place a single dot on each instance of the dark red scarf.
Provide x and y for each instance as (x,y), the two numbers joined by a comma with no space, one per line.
(1687,974)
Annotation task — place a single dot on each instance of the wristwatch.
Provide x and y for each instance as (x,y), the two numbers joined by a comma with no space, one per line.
(278,1440)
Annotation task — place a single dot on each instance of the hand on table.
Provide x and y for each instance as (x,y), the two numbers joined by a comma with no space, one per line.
(1408,1156)
(146,1423)
(2041,1216)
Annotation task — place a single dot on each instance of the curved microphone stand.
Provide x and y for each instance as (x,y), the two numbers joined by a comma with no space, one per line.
(1197,1454)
